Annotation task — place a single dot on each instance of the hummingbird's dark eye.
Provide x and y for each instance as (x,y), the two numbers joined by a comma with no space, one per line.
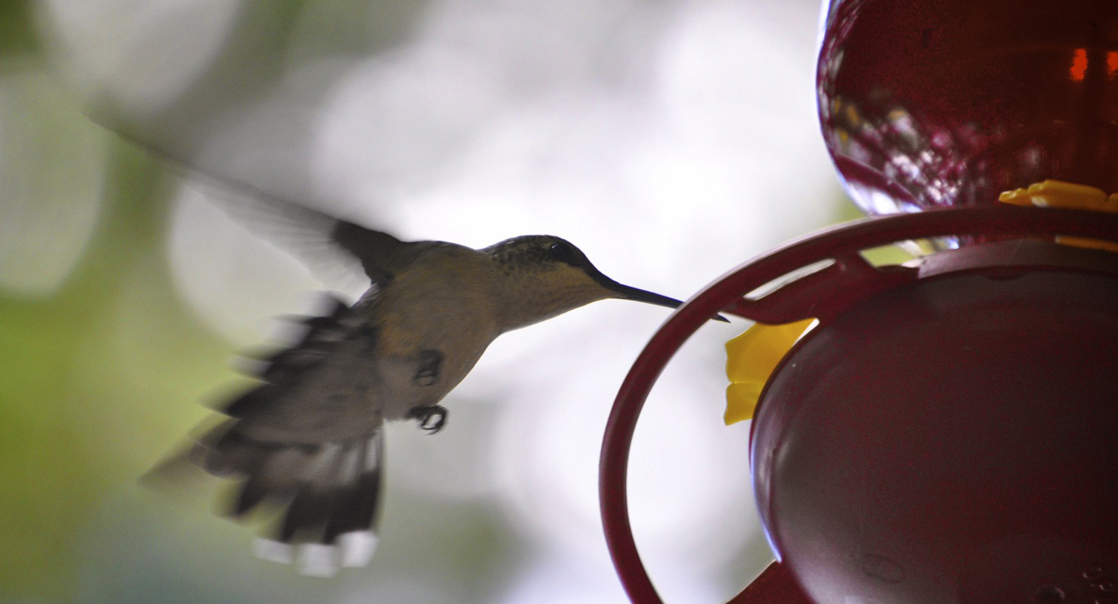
(561,252)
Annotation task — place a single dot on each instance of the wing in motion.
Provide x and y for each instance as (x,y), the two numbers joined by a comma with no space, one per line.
(336,250)
(308,440)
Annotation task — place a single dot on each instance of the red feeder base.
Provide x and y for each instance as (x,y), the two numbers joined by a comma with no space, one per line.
(947,434)
(952,440)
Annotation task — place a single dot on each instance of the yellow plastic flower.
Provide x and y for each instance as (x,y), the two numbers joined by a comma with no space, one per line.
(751,359)
(1060,194)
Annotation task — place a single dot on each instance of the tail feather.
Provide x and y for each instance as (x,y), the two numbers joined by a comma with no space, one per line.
(317,496)
(282,473)
(330,492)
(318,465)
(229,453)
(357,509)
(252,402)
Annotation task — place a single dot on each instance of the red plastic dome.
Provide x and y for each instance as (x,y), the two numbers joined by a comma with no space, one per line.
(952,439)
(947,103)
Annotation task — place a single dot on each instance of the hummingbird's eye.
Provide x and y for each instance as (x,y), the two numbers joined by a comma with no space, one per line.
(561,252)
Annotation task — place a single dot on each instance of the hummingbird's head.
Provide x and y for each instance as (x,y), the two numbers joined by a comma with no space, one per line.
(545,276)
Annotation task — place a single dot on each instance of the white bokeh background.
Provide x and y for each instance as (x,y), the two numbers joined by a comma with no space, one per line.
(670,140)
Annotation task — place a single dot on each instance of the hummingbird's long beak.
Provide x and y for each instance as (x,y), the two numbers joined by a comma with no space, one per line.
(625,292)
(639,295)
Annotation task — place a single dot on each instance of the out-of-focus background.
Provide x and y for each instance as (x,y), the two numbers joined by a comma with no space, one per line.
(669,139)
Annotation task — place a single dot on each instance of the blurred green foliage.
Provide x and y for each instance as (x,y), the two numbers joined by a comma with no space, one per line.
(16,34)
(95,378)
(92,377)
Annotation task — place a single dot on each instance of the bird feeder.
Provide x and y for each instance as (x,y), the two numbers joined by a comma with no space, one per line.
(943,430)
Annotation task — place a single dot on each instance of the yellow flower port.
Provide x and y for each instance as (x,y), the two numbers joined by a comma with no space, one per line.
(750,360)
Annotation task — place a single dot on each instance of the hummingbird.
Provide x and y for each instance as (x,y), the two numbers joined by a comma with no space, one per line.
(308,436)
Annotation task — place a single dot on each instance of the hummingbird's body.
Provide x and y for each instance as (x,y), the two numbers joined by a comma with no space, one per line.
(308,436)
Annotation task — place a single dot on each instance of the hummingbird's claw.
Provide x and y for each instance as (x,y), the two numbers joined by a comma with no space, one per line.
(430,361)
(431,418)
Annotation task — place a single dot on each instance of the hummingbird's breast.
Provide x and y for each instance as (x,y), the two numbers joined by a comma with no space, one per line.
(443,304)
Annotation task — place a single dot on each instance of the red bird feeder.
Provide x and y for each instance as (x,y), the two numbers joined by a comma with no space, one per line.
(948,431)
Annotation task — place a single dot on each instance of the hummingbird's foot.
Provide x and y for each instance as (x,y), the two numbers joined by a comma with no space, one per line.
(430,418)
(430,361)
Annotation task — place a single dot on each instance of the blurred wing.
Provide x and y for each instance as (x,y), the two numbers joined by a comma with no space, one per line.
(308,440)
(326,244)
(341,253)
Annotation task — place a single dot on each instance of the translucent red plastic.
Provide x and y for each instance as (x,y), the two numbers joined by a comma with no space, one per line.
(947,103)
(857,283)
